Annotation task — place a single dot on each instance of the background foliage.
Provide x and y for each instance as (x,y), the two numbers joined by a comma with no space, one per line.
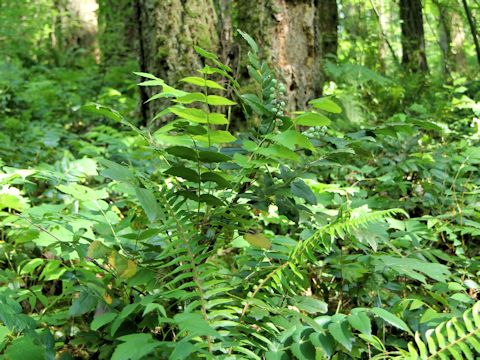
(230,225)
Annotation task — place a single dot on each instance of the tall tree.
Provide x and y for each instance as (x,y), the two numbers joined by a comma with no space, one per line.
(452,37)
(383,41)
(327,18)
(289,32)
(458,57)
(413,38)
(473,28)
(168,30)
(327,14)
(117,30)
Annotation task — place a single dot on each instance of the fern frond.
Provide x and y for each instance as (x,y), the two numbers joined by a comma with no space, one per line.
(340,227)
(458,338)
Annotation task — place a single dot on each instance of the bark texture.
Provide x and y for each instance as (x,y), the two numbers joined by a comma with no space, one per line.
(288,31)
(168,30)
(413,39)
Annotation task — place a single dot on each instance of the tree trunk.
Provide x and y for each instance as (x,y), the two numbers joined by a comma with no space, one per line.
(458,58)
(444,38)
(473,29)
(168,30)
(80,27)
(288,31)
(413,39)
(117,31)
(328,26)
(327,18)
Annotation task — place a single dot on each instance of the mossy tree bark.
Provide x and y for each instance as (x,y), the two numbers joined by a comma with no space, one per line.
(168,31)
(288,31)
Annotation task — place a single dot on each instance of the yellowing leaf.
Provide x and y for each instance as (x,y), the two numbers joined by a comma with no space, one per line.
(108,299)
(126,268)
(98,250)
(258,240)
(130,270)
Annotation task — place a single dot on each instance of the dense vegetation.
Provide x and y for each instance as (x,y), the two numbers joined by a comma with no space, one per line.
(231,225)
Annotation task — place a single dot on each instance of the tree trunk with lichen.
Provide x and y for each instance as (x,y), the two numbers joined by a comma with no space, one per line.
(168,31)
(288,32)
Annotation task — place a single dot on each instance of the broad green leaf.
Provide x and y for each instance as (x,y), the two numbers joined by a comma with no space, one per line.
(135,347)
(24,348)
(303,350)
(216,137)
(194,324)
(31,265)
(326,104)
(98,249)
(461,297)
(310,304)
(216,178)
(182,350)
(198,81)
(292,138)
(102,320)
(206,54)
(156,82)
(183,152)
(183,172)
(341,333)
(255,103)
(258,240)
(148,202)
(361,322)
(302,190)
(414,268)
(12,317)
(219,100)
(98,109)
(325,342)
(427,125)
(210,199)
(199,116)
(287,207)
(391,319)
(146,75)
(192,97)
(279,151)
(116,171)
(84,193)
(10,197)
(85,302)
(213,157)
(312,119)
(125,313)
(4,332)
(249,40)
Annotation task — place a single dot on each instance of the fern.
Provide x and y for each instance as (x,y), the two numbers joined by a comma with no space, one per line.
(458,338)
(341,226)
